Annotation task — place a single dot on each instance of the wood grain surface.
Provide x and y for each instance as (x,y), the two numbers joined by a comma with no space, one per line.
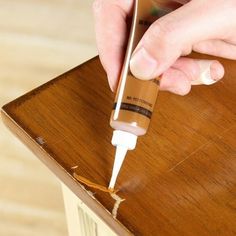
(180,180)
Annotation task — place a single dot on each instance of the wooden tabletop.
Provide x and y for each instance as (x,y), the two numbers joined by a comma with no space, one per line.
(180,180)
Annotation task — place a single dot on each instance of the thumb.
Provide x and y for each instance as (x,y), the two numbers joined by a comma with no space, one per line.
(173,36)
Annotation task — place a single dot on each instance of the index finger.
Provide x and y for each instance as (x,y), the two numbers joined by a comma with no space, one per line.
(111,34)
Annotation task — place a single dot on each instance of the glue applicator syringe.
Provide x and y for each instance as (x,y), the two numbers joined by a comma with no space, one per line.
(135,99)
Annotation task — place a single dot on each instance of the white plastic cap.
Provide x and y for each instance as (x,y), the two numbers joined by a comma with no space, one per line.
(124,139)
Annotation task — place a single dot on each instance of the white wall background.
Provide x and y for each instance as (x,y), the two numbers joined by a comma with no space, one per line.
(39,39)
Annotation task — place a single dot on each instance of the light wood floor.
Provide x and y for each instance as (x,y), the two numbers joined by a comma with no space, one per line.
(38,41)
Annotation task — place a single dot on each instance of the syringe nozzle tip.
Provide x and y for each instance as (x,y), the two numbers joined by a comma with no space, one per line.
(119,158)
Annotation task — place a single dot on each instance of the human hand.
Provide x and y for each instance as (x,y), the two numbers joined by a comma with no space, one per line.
(205,26)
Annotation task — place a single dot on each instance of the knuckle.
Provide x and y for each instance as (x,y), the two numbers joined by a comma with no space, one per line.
(164,32)
(163,36)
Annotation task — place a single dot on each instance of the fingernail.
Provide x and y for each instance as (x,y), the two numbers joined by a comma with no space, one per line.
(210,72)
(217,71)
(143,65)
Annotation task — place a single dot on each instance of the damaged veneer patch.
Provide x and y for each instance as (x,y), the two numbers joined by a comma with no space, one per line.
(89,183)
(40,140)
(112,192)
